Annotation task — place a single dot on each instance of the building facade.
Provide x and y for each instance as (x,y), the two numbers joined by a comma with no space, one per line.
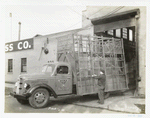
(29,55)
(124,22)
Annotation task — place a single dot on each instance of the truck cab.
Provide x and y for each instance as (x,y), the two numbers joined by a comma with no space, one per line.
(54,80)
(63,78)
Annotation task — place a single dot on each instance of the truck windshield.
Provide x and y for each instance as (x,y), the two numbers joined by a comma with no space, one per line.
(48,68)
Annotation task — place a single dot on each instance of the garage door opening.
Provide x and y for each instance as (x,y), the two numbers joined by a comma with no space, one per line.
(128,36)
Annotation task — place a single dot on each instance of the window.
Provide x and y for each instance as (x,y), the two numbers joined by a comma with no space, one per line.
(130,35)
(23,64)
(125,33)
(10,65)
(44,69)
(49,69)
(62,70)
(110,32)
(118,33)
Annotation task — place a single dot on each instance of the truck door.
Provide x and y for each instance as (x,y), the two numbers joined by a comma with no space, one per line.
(63,80)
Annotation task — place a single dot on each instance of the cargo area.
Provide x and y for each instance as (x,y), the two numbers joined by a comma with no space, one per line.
(90,54)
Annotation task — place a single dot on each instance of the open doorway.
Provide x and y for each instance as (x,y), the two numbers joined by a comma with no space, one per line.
(128,36)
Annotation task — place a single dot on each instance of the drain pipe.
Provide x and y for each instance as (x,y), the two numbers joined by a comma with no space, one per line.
(137,53)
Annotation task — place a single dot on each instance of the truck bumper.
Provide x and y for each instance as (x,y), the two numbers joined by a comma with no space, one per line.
(23,97)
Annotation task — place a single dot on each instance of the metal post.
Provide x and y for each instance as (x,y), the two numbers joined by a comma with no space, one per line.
(137,54)
(11,26)
(19,30)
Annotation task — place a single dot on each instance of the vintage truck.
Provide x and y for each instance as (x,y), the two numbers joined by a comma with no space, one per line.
(78,59)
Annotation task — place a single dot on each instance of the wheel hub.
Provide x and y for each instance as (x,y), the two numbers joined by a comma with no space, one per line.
(39,97)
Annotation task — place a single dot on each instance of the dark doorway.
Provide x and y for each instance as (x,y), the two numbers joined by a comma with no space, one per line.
(128,36)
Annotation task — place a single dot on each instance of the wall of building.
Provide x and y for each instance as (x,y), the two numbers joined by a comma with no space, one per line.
(142,49)
(35,59)
(87,31)
(34,64)
(16,56)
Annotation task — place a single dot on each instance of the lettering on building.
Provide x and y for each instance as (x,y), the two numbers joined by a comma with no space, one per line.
(19,45)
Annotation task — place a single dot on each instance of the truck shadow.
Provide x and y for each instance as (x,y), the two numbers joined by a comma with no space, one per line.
(72,99)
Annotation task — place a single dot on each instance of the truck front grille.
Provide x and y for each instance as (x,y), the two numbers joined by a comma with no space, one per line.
(20,88)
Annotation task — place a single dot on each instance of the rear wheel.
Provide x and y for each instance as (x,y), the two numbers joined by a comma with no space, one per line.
(23,101)
(39,98)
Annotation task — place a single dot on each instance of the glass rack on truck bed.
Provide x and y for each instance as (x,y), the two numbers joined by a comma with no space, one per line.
(90,54)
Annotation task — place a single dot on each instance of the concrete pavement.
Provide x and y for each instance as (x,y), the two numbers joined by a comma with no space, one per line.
(125,102)
(116,103)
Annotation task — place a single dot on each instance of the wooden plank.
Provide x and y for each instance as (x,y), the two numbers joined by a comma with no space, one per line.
(124,63)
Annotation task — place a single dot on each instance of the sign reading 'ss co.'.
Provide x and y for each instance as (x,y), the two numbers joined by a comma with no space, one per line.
(19,45)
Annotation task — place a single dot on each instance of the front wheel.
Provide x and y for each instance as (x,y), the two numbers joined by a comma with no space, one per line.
(39,98)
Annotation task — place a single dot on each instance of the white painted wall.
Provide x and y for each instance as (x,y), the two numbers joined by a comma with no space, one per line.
(142,49)
(34,65)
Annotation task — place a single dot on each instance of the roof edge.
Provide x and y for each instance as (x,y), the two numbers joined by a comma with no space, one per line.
(115,17)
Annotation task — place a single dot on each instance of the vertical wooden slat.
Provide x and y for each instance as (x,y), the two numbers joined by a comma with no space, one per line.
(104,58)
(75,60)
(91,62)
(80,88)
(116,76)
(92,52)
(124,63)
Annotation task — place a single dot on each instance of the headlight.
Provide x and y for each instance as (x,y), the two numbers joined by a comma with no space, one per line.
(16,83)
(101,73)
(26,86)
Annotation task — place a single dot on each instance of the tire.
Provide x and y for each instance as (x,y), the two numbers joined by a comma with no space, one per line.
(39,98)
(23,101)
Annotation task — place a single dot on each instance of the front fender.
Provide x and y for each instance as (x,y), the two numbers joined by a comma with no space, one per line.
(30,91)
